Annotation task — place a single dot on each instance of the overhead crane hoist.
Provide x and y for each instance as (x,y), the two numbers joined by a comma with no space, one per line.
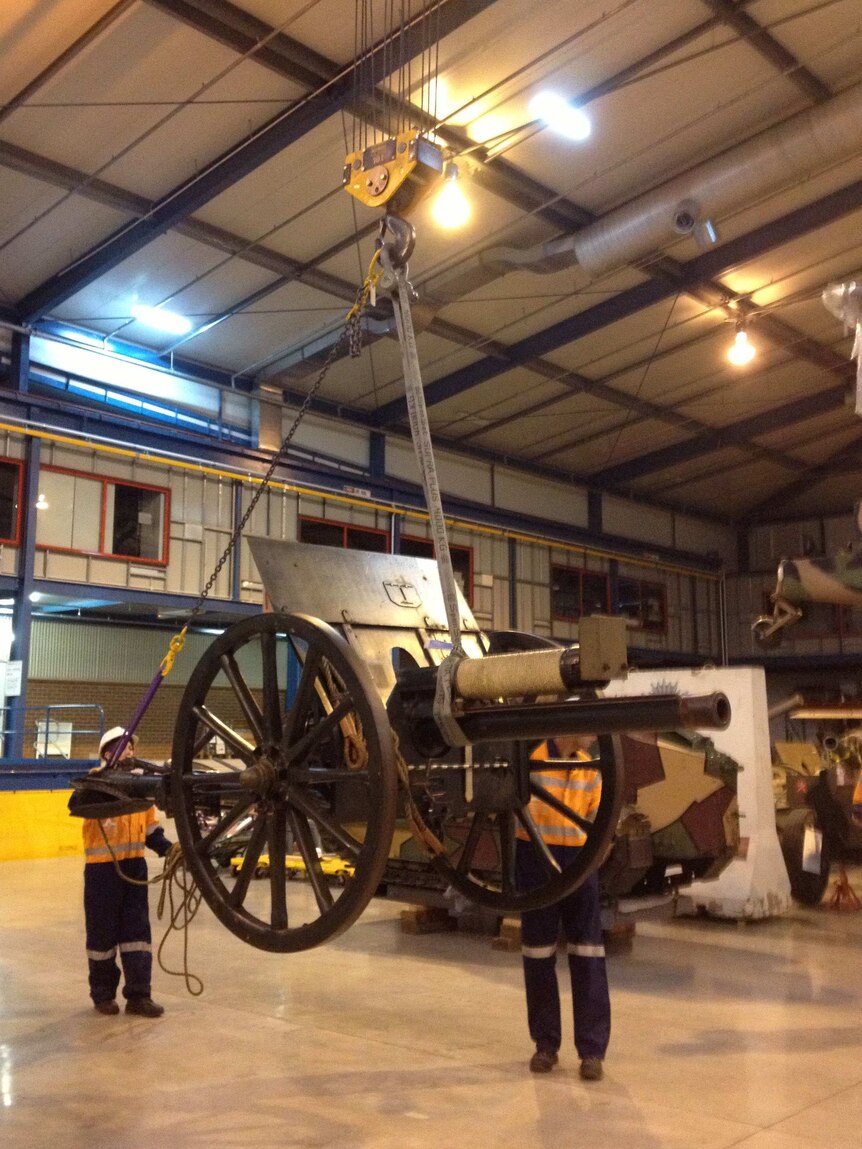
(370,693)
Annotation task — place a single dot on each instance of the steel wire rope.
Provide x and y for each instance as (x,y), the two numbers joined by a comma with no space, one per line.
(249,245)
(627,420)
(357,247)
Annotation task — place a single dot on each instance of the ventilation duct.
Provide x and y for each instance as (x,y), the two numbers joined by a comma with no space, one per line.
(789,153)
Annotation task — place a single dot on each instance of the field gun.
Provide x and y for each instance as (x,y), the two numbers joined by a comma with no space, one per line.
(329,714)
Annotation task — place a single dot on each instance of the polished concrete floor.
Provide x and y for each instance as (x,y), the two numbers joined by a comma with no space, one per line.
(722,1035)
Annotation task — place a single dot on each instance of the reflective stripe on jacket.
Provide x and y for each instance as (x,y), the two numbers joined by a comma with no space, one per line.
(577,788)
(126,834)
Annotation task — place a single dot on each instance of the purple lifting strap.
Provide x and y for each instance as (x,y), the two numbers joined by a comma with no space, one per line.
(123,742)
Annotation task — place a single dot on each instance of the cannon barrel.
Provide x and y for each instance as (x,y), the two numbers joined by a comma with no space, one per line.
(595,716)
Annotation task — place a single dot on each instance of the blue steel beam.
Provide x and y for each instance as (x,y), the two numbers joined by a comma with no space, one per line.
(60,62)
(849,458)
(732,435)
(770,49)
(693,274)
(120,596)
(740,433)
(240,160)
(22,611)
(245,34)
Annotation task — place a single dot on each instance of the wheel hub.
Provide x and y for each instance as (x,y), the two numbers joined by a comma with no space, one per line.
(262,777)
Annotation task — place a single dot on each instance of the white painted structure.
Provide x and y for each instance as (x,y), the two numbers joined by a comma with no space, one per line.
(754,884)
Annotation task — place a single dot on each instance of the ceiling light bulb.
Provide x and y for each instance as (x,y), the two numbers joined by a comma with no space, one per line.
(560,116)
(162,320)
(741,351)
(451,207)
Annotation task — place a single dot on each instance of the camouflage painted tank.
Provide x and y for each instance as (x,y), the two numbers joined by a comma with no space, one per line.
(680,821)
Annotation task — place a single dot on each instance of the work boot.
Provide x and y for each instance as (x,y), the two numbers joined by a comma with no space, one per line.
(591,1069)
(106,1007)
(144,1007)
(543,1061)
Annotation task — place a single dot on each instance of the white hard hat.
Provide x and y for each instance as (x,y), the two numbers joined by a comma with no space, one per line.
(113,735)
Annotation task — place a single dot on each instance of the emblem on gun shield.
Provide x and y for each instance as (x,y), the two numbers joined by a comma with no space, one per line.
(403,593)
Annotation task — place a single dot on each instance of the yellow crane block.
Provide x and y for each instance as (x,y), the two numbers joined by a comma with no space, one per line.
(409,164)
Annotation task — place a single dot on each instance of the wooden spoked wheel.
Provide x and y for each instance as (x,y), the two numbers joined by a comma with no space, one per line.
(310,770)
(480,844)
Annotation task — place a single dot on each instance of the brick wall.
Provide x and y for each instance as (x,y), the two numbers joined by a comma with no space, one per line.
(119,702)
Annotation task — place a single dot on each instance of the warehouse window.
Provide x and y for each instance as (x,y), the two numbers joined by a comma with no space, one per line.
(134,521)
(645,603)
(576,593)
(10,505)
(92,515)
(462,560)
(328,533)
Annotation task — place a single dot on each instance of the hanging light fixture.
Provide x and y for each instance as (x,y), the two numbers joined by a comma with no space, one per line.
(562,117)
(742,350)
(161,319)
(451,207)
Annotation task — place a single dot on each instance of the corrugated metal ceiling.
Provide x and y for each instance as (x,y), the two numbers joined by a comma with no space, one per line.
(115,115)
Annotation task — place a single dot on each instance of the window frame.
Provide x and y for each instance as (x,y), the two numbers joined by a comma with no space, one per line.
(460,547)
(345,527)
(18,464)
(101,553)
(638,621)
(580,572)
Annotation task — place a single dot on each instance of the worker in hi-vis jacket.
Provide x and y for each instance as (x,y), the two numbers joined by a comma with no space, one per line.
(579,913)
(116,911)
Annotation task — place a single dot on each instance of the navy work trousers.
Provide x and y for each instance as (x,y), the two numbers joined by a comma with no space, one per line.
(581,920)
(117,916)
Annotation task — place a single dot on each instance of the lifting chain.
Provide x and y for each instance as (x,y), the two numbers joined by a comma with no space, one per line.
(351,335)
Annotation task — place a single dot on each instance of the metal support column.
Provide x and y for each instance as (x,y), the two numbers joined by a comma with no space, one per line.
(614,584)
(594,512)
(236,559)
(19,376)
(395,534)
(23,610)
(377,455)
(513,585)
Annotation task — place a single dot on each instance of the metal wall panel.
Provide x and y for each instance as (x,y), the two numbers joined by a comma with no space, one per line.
(768,544)
(541,498)
(700,537)
(71,651)
(337,440)
(67,568)
(75,459)
(8,559)
(637,521)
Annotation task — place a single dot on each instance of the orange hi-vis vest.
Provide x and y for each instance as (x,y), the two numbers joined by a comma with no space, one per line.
(857,802)
(578,788)
(126,834)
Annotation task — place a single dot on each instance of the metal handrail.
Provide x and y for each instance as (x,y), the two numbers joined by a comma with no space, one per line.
(40,725)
